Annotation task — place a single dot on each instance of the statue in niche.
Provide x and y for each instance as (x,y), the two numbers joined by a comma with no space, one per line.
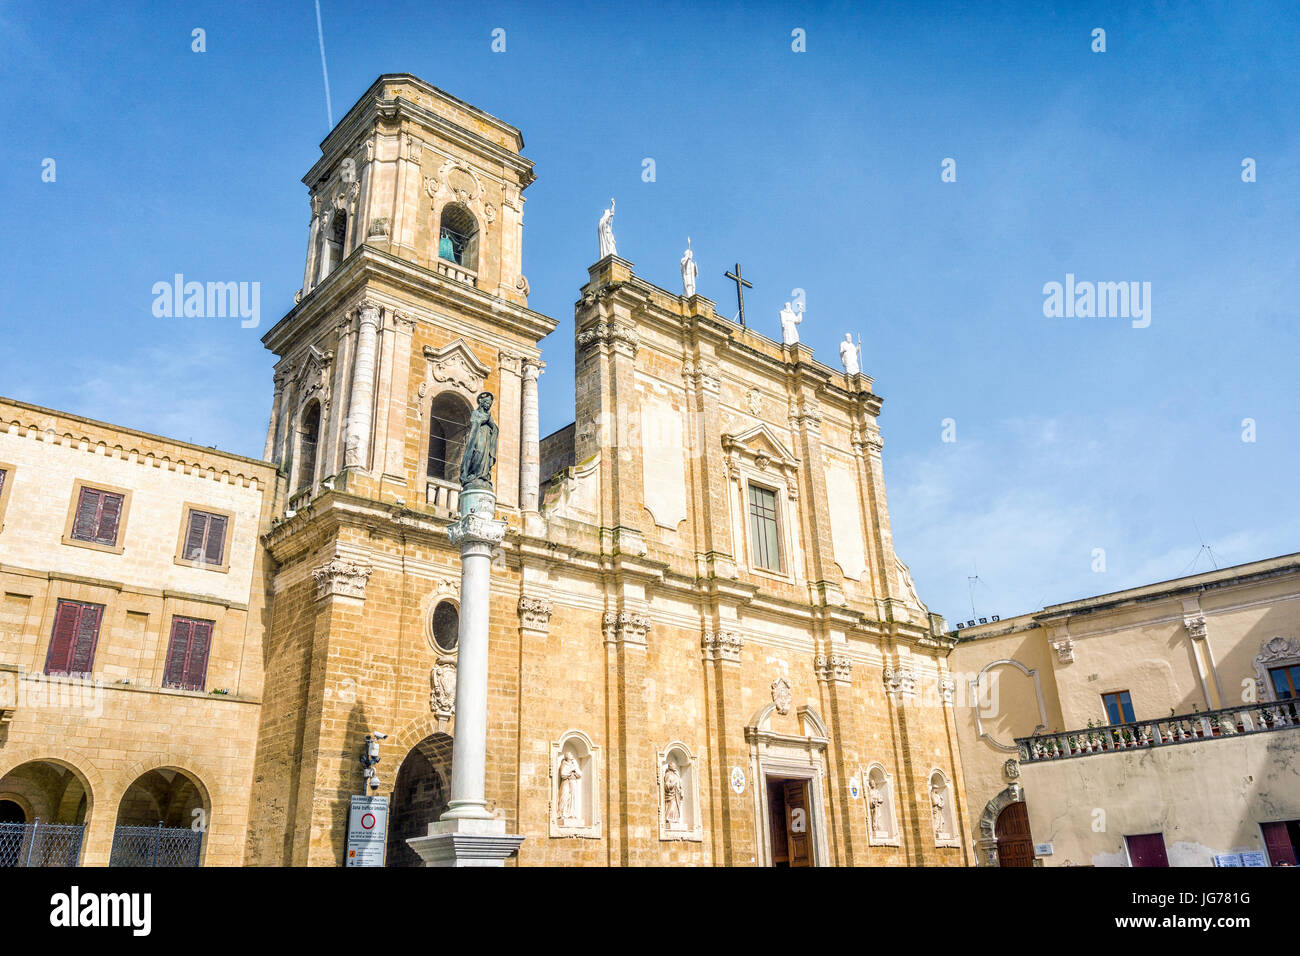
(673,793)
(570,773)
(689,270)
(876,803)
(480,447)
(851,355)
(605,232)
(790,320)
(940,814)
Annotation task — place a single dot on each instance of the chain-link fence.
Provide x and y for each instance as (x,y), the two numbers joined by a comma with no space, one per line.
(156,846)
(40,844)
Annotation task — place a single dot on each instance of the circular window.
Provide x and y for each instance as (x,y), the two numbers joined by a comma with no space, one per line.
(446,626)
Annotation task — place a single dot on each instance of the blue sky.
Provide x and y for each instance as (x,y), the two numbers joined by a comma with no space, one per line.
(818,170)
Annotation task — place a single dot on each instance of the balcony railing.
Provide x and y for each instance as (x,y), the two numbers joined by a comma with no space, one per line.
(455,271)
(443,497)
(1178,729)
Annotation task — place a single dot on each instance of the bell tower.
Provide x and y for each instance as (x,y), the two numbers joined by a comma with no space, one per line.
(412,284)
(413,302)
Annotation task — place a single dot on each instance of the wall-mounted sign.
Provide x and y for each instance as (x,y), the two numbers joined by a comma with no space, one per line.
(1043,849)
(367,831)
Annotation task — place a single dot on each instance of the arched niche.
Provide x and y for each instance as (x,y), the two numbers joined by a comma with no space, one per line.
(882,813)
(679,794)
(942,816)
(574,809)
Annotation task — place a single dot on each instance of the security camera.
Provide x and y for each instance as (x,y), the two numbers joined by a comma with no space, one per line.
(374,782)
(378,736)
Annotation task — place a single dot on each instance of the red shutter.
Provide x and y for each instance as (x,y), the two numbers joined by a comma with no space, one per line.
(83,526)
(196,667)
(215,547)
(194,536)
(1278,843)
(65,634)
(110,513)
(174,672)
(83,654)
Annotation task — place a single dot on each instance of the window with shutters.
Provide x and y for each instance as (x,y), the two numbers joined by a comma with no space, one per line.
(205,538)
(76,632)
(764,528)
(6,485)
(187,654)
(97,517)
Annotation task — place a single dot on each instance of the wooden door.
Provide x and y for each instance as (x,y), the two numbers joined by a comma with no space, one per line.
(1147,849)
(1015,843)
(1278,843)
(798,823)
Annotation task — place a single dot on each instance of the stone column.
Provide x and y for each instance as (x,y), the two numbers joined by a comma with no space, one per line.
(468,834)
(357,451)
(273,428)
(847,814)
(530,465)
(312,232)
(733,816)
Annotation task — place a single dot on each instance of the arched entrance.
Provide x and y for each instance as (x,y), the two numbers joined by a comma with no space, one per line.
(161,820)
(1015,843)
(42,814)
(419,797)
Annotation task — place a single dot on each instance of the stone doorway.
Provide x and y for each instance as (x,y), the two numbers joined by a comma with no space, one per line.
(1015,842)
(790,822)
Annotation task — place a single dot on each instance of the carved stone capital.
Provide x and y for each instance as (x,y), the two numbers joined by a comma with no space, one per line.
(535,613)
(834,667)
(947,689)
(1064,648)
(1195,627)
(476,529)
(609,334)
(341,578)
(900,681)
(722,646)
(703,375)
(624,627)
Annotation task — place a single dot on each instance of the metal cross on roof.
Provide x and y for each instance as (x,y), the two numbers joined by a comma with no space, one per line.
(741,286)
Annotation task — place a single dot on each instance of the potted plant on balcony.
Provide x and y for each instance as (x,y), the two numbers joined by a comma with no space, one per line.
(1094,738)
(1267,714)
(1214,724)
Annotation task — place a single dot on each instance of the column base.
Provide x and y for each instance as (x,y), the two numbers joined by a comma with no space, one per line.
(466,842)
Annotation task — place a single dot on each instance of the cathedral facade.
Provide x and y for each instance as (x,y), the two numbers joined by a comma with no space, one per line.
(703,648)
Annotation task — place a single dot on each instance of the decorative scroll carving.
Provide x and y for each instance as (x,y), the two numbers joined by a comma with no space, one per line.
(781,695)
(442,699)
(604,334)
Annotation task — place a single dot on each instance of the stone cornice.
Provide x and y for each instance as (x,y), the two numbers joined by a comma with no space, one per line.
(421,284)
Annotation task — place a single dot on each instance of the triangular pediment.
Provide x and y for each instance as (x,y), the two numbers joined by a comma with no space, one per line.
(760,440)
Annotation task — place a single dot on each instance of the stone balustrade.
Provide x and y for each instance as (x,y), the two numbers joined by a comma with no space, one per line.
(443,497)
(1177,729)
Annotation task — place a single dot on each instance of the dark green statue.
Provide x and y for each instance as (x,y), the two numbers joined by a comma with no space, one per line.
(480,447)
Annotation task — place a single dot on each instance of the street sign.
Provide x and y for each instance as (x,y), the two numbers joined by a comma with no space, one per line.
(367,831)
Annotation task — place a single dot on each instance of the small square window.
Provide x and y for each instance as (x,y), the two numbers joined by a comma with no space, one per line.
(1119,707)
(6,486)
(205,538)
(97,517)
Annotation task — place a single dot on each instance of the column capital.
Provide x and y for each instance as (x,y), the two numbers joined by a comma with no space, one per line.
(341,577)
(535,613)
(1196,627)
(722,646)
(624,627)
(834,667)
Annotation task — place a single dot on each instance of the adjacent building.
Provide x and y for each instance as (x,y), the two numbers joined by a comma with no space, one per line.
(1147,727)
